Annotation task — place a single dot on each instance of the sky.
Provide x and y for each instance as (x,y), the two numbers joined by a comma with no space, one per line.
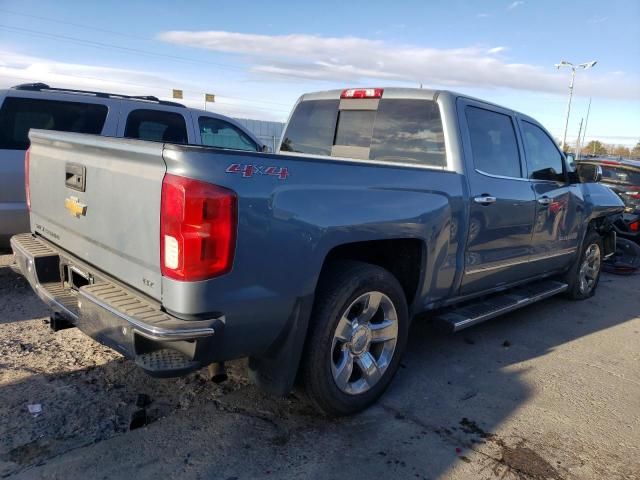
(257,58)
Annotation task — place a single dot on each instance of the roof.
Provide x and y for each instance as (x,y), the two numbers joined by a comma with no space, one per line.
(43,87)
(413,93)
(621,162)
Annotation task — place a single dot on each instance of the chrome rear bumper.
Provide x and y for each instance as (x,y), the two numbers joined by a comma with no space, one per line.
(112,314)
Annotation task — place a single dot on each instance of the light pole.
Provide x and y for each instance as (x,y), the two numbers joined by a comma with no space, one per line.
(586,122)
(564,63)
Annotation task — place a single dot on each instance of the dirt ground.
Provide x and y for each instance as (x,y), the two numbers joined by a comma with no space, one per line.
(550,392)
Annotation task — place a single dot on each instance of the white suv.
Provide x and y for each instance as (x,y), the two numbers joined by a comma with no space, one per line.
(36,105)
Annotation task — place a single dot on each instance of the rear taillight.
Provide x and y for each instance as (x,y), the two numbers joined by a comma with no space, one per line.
(26,179)
(198,223)
(362,93)
(634,226)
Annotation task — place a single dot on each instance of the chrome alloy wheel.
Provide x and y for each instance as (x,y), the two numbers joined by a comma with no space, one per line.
(364,342)
(589,269)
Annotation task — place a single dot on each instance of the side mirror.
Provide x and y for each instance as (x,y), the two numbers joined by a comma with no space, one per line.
(597,174)
(589,173)
(571,162)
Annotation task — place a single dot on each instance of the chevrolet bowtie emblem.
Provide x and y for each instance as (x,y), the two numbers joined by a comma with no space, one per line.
(75,207)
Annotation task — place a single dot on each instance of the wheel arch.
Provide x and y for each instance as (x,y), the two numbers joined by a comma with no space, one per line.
(277,369)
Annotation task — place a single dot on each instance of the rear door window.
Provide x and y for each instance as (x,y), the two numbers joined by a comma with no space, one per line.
(156,126)
(493,142)
(543,157)
(215,132)
(399,130)
(18,115)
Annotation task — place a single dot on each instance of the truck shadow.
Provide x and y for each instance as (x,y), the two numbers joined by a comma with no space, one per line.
(450,396)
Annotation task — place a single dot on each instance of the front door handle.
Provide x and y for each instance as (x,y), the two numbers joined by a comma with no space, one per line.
(485,200)
(545,200)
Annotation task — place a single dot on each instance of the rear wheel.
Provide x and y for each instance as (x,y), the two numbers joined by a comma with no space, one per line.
(584,276)
(357,335)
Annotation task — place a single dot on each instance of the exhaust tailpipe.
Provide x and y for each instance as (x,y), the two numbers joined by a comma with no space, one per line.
(218,372)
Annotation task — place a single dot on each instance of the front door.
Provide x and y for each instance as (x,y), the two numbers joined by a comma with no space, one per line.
(503,204)
(559,205)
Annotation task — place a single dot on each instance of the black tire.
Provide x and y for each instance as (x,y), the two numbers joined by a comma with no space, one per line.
(340,286)
(573,276)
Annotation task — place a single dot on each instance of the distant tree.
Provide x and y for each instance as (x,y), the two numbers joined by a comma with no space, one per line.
(595,147)
(635,151)
(621,151)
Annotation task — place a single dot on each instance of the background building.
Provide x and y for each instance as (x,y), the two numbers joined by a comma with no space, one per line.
(268,132)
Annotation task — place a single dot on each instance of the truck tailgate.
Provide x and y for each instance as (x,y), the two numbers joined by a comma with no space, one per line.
(99,199)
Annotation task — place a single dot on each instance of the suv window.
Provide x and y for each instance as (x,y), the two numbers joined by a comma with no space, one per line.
(156,126)
(215,132)
(400,130)
(18,115)
(493,142)
(543,157)
(620,175)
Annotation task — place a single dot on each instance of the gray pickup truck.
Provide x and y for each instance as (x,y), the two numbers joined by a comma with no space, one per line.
(381,204)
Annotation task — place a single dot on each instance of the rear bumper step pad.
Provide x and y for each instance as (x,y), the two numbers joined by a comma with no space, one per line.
(118,317)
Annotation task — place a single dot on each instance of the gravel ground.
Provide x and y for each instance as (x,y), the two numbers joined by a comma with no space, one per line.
(550,392)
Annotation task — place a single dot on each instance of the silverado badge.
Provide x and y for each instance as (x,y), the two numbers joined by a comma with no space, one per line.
(75,207)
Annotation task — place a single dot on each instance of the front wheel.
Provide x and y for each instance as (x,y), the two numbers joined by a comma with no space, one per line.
(584,276)
(357,335)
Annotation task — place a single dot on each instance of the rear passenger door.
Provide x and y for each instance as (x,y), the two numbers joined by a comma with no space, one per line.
(559,205)
(502,205)
(156,124)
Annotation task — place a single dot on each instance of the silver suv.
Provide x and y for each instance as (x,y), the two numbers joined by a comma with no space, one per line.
(36,105)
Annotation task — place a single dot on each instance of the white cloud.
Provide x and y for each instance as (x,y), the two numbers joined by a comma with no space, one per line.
(483,15)
(353,59)
(496,50)
(18,68)
(515,4)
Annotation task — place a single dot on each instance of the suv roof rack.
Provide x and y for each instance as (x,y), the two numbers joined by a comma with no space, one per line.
(37,87)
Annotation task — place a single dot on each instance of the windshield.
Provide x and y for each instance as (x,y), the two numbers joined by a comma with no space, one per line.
(398,130)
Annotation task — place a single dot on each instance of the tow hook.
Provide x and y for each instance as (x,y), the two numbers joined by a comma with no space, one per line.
(57,322)
(218,372)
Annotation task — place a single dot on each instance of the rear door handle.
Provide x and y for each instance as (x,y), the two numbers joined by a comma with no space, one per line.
(485,200)
(545,200)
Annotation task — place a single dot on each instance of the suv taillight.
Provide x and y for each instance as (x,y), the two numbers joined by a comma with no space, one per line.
(198,223)
(26,179)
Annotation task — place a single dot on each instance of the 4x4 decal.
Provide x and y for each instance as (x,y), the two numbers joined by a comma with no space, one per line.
(250,170)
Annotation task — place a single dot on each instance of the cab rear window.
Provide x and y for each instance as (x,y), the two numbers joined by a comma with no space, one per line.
(399,130)
(312,128)
(18,115)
